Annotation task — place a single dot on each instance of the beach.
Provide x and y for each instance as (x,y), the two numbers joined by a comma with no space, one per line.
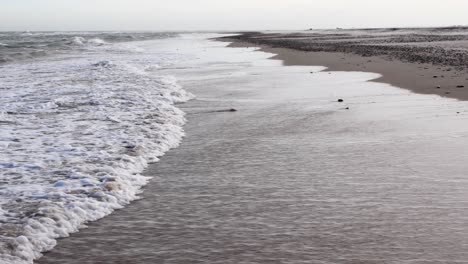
(233,132)
(315,165)
(423,60)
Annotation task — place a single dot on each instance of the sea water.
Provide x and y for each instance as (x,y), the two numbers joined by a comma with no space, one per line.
(81,116)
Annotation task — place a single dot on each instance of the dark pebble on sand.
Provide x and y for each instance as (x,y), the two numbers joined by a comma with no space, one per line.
(224,110)
(340,100)
(460,86)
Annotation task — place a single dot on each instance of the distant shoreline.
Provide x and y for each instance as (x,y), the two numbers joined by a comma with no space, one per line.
(425,61)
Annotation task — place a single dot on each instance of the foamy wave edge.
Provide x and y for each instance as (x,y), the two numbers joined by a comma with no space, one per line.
(88,199)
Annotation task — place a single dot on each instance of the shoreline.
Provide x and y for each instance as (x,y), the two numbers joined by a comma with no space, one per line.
(254,184)
(421,78)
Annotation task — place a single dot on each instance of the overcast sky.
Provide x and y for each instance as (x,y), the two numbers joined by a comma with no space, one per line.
(227,14)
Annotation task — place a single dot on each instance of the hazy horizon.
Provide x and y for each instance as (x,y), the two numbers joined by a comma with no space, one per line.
(219,15)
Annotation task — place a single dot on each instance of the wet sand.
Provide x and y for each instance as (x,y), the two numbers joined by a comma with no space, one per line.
(425,61)
(294,176)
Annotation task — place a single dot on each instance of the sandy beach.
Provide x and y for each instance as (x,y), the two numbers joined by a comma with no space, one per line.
(293,176)
(282,160)
(423,60)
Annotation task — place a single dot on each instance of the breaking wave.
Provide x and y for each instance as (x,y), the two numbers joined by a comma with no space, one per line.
(17,46)
(75,135)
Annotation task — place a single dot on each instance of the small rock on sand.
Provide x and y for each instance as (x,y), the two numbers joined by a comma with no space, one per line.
(460,86)
(340,100)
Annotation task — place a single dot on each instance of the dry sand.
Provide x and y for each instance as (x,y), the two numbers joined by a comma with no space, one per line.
(426,61)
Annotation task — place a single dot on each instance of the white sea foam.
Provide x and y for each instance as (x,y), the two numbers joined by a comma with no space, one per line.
(96,41)
(78,40)
(75,134)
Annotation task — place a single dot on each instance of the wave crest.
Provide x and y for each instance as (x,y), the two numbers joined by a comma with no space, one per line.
(97,42)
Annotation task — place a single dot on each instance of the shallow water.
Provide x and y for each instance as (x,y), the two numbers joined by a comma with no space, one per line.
(76,131)
(293,176)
